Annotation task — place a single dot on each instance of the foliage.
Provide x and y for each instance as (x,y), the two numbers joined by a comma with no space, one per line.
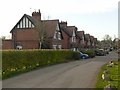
(114,75)
(19,61)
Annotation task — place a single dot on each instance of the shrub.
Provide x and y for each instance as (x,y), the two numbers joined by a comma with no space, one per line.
(18,61)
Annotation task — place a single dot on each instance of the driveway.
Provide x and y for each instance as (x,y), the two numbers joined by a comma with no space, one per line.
(76,74)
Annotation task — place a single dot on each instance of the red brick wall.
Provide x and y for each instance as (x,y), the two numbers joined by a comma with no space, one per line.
(65,41)
(30,44)
(27,38)
(7,44)
(26,34)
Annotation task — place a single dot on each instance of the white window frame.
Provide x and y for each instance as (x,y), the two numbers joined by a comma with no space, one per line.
(74,39)
(60,46)
(54,46)
(59,36)
(55,35)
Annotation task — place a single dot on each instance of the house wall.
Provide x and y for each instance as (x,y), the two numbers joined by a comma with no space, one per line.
(30,44)
(25,34)
(7,44)
(27,38)
(65,41)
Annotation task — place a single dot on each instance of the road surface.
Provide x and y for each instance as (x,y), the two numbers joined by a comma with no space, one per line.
(77,74)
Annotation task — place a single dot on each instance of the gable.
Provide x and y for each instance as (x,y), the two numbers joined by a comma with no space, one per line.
(25,22)
(57,32)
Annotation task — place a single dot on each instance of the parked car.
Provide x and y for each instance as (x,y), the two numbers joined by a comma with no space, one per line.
(100,52)
(107,51)
(83,55)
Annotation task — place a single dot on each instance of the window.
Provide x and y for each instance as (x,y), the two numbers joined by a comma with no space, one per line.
(55,34)
(59,36)
(83,39)
(54,46)
(59,46)
(73,39)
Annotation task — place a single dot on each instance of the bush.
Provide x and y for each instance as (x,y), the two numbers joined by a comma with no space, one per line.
(19,61)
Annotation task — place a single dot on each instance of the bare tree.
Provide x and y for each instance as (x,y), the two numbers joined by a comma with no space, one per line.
(39,29)
(42,35)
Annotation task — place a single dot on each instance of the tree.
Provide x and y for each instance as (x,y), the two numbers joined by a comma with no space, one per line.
(107,38)
(44,42)
(107,42)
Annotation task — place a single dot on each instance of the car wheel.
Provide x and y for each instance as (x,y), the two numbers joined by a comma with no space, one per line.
(83,57)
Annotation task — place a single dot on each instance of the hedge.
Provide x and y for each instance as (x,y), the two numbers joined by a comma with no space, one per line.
(19,61)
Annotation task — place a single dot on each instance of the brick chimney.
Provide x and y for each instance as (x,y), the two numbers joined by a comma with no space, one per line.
(37,15)
(63,24)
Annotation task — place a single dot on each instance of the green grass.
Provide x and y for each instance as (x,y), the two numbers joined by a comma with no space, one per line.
(114,75)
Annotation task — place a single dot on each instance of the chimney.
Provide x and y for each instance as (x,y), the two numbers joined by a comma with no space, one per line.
(63,24)
(37,15)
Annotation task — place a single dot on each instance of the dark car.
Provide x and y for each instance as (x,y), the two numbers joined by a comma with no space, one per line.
(100,52)
(83,55)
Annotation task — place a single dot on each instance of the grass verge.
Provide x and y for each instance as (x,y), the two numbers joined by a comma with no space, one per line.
(114,75)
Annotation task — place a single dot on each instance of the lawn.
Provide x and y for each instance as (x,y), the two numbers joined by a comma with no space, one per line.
(114,75)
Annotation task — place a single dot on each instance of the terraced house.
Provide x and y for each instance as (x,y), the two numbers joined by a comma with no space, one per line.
(30,32)
(69,36)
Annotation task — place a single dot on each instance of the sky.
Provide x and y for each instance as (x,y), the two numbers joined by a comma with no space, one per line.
(96,17)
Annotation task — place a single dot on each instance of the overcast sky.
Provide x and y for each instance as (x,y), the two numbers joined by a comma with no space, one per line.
(96,17)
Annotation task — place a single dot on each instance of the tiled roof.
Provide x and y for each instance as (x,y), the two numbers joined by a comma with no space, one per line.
(70,29)
(80,34)
(87,37)
(50,26)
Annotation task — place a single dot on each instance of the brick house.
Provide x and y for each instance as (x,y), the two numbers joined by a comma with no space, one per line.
(31,32)
(87,41)
(95,43)
(81,39)
(69,36)
(90,41)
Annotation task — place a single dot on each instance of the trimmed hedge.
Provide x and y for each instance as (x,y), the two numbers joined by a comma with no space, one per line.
(19,61)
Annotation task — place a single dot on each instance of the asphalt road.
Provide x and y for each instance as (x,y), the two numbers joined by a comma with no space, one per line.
(77,74)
